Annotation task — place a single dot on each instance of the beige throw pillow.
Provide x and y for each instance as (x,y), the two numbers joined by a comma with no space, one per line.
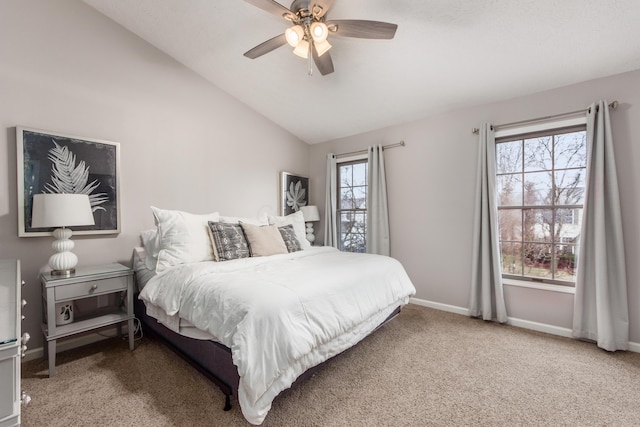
(264,240)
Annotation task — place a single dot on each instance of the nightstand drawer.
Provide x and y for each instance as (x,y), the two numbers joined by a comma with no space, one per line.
(87,289)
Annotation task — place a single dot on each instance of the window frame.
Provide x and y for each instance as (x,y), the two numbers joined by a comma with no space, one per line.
(552,128)
(350,160)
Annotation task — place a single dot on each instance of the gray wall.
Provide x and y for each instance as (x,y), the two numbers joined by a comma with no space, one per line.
(184,144)
(431,185)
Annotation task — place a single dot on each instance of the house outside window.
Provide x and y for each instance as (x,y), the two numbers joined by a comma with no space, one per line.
(352,205)
(540,186)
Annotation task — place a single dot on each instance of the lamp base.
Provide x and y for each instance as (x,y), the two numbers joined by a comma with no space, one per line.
(63,262)
(309,231)
(64,273)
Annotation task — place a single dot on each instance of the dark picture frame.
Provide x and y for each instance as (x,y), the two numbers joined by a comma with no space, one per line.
(96,166)
(294,192)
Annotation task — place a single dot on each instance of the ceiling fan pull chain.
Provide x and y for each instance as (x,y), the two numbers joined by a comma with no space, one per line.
(310,60)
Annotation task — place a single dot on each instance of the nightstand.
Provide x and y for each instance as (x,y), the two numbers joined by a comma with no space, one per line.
(87,282)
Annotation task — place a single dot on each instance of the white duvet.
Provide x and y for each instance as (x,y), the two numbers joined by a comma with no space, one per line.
(283,314)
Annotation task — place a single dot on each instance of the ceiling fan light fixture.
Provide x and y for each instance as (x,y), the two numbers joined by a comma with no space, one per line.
(322,47)
(302,49)
(319,32)
(294,35)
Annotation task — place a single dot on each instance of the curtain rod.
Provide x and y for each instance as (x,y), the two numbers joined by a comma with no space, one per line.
(384,147)
(613,105)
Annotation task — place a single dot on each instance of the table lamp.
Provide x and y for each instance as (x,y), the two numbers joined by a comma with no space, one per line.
(310,214)
(61,210)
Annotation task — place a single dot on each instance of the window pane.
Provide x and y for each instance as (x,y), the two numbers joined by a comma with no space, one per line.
(509,189)
(511,258)
(570,186)
(509,157)
(510,224)
(571,150)
(566,256)
(538,153)
(537,260)
(537,225)
(360,174)
(360,197)
(568,224)
(346,175)
(346,198)
(537,188)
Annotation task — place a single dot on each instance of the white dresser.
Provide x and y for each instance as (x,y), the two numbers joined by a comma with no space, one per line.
(12,343)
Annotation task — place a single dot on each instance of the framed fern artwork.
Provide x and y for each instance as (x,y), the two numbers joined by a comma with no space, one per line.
(58,163)
(294,192)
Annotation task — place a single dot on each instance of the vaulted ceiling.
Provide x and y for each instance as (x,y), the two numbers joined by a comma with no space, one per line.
(446,54)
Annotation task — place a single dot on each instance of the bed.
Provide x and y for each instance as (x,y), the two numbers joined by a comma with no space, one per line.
(257,323)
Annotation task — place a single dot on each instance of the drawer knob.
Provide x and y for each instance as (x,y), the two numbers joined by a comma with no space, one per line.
(23,283)
(23,317)
(24,302)
(25,337)
(94,287)
(25,398)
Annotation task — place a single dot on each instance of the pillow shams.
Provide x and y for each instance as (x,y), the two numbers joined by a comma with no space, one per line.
(297,220)
(150,242)
(228,241)
(289,236)
(182,237)
(264,240)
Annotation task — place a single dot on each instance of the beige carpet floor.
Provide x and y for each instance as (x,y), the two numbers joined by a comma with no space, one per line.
(425,368)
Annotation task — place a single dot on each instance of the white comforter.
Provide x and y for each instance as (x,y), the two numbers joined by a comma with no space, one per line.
(282,314)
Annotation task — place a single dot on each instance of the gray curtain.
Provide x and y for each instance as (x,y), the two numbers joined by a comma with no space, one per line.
(600,308)
(487,297)
(377,209)
(330,221)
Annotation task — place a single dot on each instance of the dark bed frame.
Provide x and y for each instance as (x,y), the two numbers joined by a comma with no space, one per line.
(209,357)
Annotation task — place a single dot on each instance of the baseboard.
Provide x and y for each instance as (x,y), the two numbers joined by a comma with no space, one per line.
(520,323)
(439,306)
(75,341)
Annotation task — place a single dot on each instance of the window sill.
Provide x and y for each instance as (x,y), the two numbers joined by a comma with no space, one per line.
(541,286)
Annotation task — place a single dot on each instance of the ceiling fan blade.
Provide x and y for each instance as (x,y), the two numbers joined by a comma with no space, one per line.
(271,6)
(324,62)
(324,5)
(266,47)
(362,29)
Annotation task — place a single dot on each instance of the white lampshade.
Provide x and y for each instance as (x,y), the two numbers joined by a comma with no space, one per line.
(302,49)
(61,210)
(319,31)
(322,47)
(310,213)
(294,35)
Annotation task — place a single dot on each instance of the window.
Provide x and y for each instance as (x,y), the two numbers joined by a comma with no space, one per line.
(540,184)
(352,205)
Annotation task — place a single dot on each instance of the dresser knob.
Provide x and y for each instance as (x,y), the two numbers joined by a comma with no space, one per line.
(25,398)
(23,283)
(23,317)
(94,287)
(24,302)
(25,337)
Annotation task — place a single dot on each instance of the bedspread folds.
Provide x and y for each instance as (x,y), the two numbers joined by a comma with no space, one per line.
(282,314)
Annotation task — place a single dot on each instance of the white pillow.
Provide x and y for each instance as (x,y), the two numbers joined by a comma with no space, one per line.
(150,242)
(183,237)
(297,220)
(236,220)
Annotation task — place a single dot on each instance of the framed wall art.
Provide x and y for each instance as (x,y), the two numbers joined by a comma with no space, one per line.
(51,162)
(294,192)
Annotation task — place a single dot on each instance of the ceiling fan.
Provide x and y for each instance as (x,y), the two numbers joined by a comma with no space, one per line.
(310,29)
